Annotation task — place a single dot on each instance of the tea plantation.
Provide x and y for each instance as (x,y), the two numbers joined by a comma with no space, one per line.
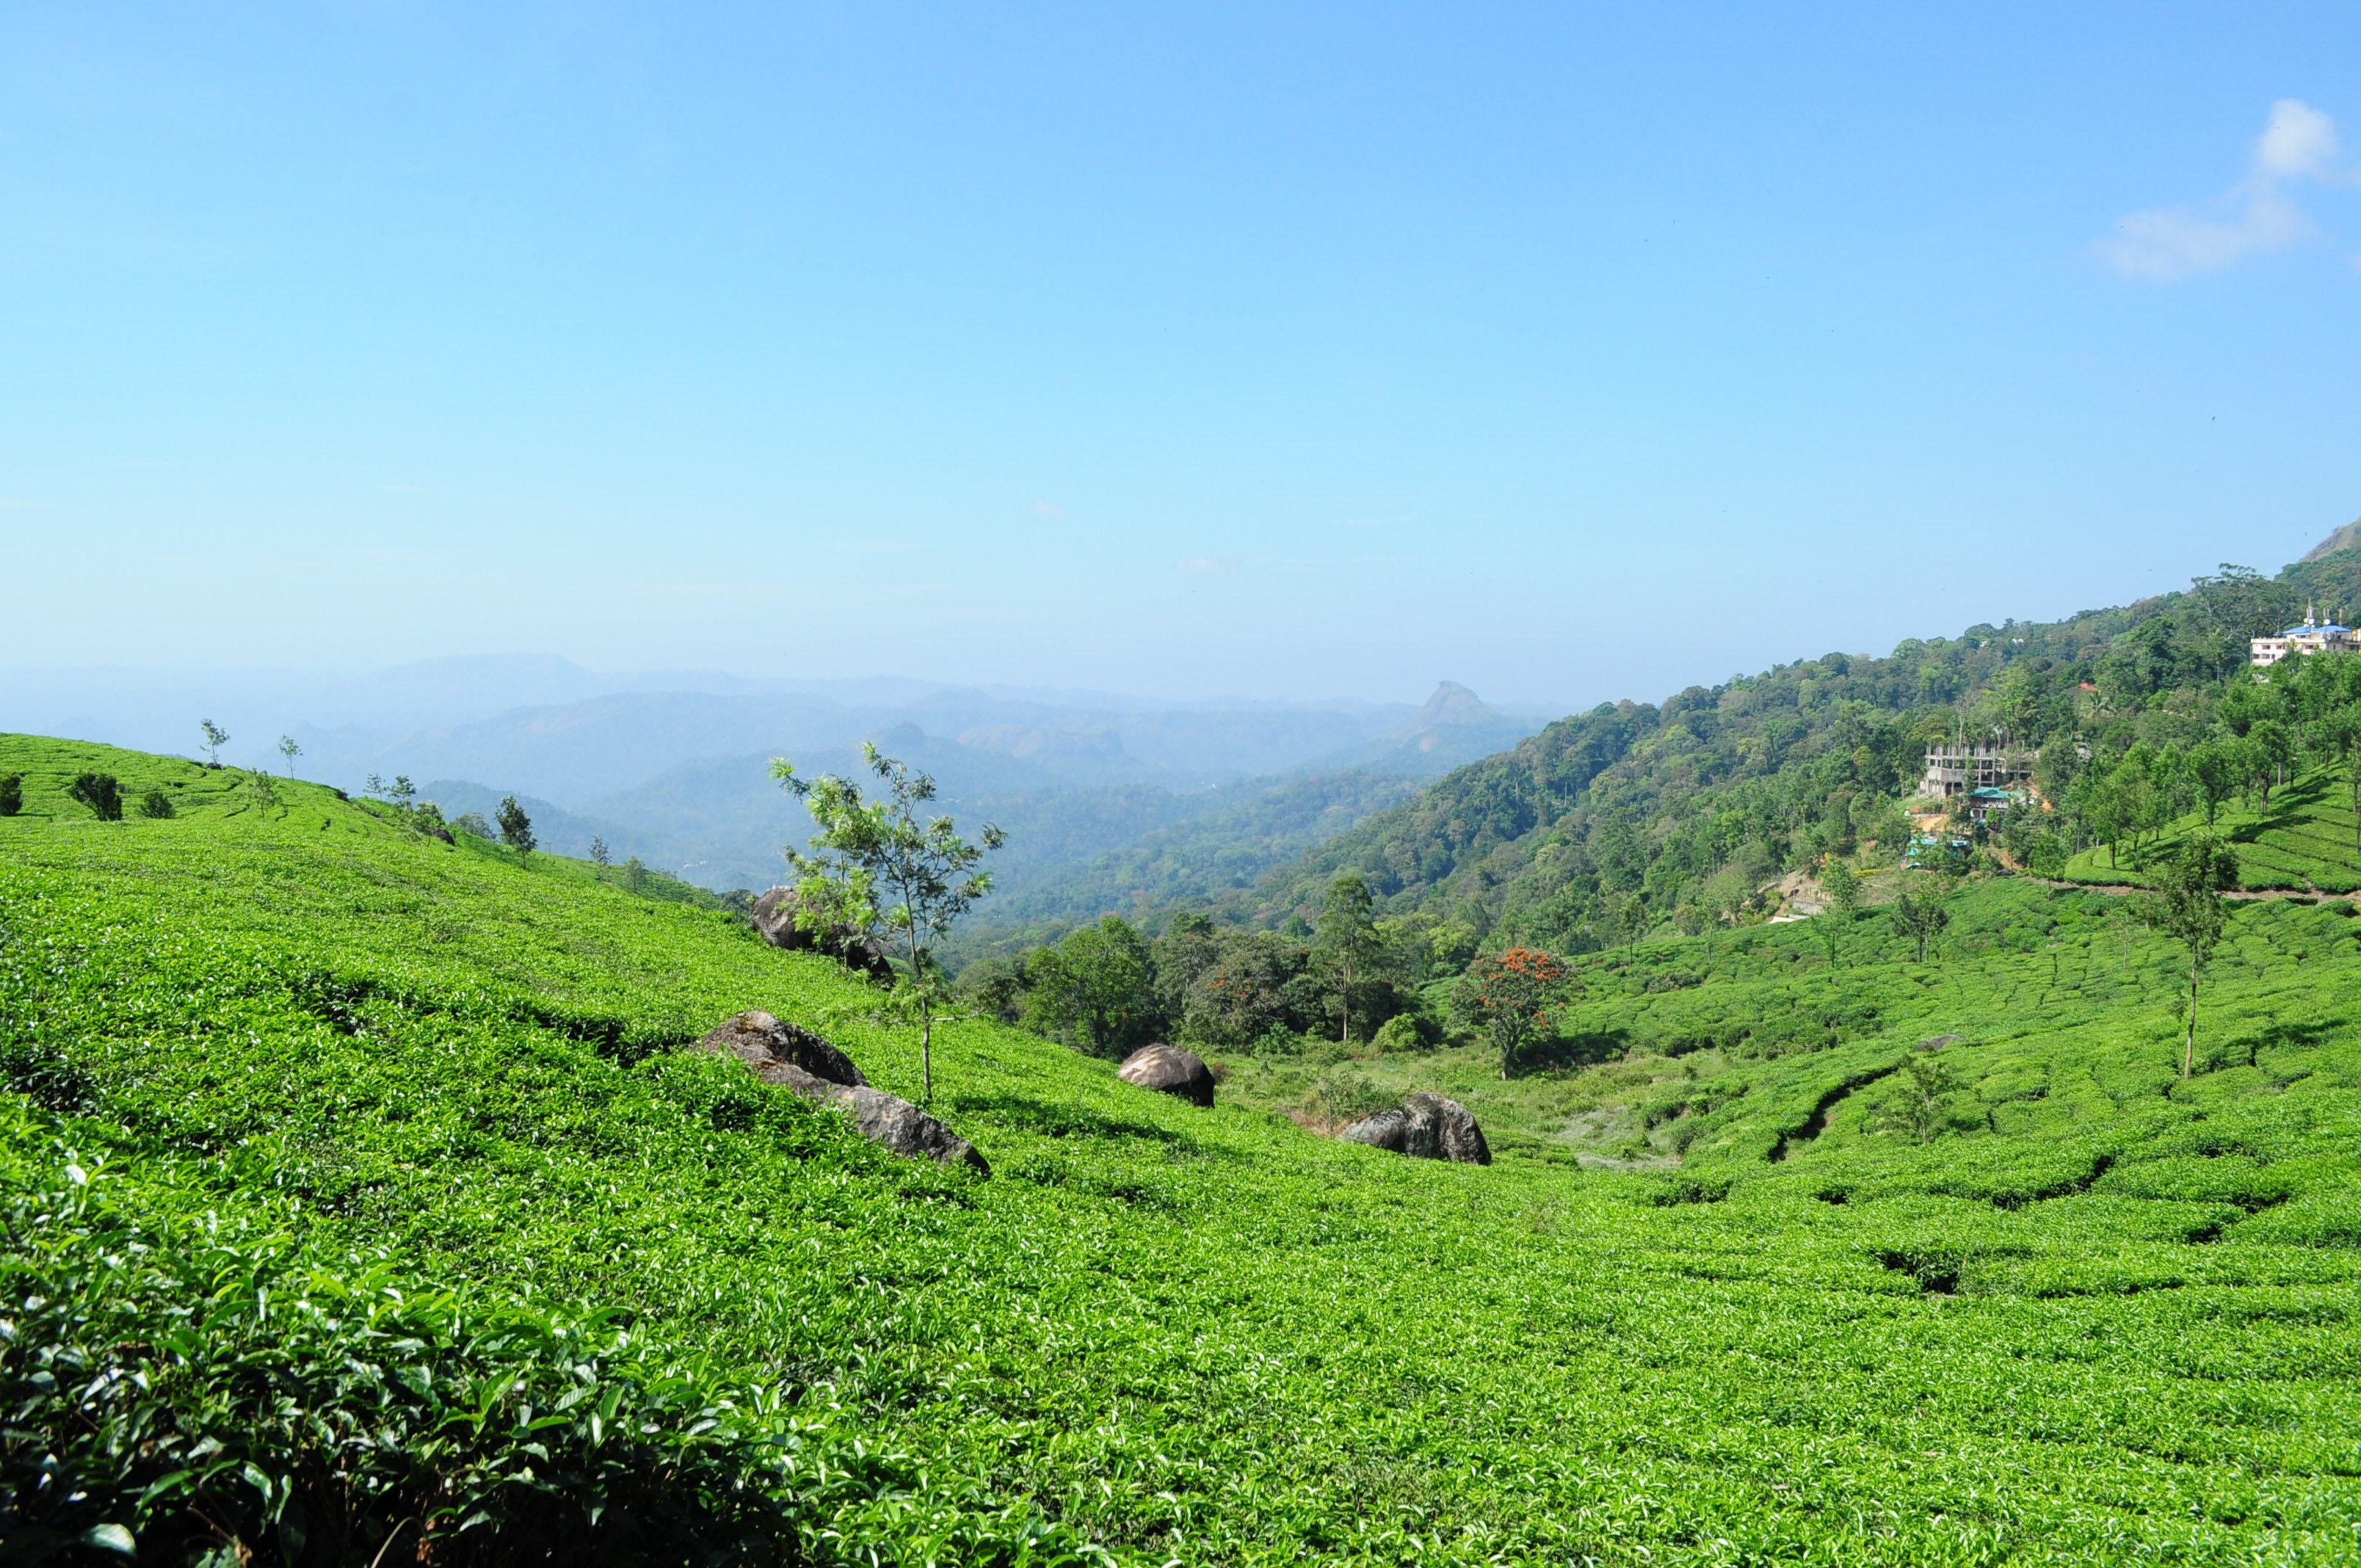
(360,1207)
(2304,839)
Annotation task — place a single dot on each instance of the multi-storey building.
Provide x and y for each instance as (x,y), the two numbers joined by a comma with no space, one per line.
(2313,636)
(1956,768)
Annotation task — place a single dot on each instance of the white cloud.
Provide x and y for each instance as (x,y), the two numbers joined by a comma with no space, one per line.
(2254,217)
(2300,142)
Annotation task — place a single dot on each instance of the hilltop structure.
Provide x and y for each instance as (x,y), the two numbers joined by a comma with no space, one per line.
(2313,636)
(1954,768)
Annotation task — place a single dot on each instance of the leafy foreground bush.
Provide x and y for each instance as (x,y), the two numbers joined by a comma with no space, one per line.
(185,1389)
(204,1392)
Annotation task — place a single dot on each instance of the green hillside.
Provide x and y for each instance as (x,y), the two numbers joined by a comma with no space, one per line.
(1678,811)
(356,1186)
(2303,839)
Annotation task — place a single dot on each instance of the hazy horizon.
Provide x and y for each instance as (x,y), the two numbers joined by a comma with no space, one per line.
(1288,354)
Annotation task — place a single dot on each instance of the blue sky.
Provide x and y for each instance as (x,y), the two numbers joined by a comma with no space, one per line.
(1277,350)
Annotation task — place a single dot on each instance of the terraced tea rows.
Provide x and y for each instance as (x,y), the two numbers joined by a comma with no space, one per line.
(307,1059)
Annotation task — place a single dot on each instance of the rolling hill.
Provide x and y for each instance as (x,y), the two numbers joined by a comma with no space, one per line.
(358,1186)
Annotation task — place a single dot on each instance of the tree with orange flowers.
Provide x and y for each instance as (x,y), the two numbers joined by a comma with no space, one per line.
(1514,993)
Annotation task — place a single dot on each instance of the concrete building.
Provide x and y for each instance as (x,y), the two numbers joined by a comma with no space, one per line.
(1953,768)
(2313,636)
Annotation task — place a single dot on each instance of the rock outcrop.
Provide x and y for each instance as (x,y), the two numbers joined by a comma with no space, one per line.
(1424,1126)
(795,1059)
(1170,1069)
(773,918)
(766,1045)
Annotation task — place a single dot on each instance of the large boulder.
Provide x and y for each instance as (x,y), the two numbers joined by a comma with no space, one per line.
(903,1128)
(1170,1069)
(766,1045)
(1424,1126)
(799,1060)
(774,918)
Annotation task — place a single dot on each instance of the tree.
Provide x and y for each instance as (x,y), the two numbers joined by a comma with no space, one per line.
(403,792)
(1346,946)
(376,784)
(288,750)
(2341,730)
(1926,1088)
(1096,990)
(2188,907)
(2270,750)
(215,739)
(874,863)
(262,789)
(1920,916)
(1513,996)
(635,875)
(12,794)
(101,792)
(1842,892)
(516,828)
(2214,766)
(598,851)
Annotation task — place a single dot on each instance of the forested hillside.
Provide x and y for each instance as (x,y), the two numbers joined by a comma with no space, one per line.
(1635,814)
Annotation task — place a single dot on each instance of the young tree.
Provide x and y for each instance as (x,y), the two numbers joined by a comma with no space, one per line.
(215,739)
(635,875)
(1347,946)
(1842,892)
(1096,990)
(1924,1092)
(288,750)
(874,863)
(375,785)
(403,792)
(262,789)
(12,794)
(598,851)
(2188,907)
(1513,996)
(516,828)
(1920,916)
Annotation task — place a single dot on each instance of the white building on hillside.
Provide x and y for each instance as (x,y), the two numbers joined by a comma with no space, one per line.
(2311,637)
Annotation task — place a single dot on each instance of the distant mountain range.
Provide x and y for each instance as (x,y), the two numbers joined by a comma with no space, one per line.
(673,766)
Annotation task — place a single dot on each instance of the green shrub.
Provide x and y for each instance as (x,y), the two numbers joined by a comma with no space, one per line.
(1408,1032)
(196,1387)
(12,794)
(156,804)
(102,793)
(1344,1094)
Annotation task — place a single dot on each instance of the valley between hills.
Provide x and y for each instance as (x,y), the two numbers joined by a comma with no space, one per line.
(1872,1171)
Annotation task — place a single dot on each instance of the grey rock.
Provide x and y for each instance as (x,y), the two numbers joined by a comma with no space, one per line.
(766,1043)
(903,1128)
(1170,1069)
(773,918)
(1424,1126)
(797,1060)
